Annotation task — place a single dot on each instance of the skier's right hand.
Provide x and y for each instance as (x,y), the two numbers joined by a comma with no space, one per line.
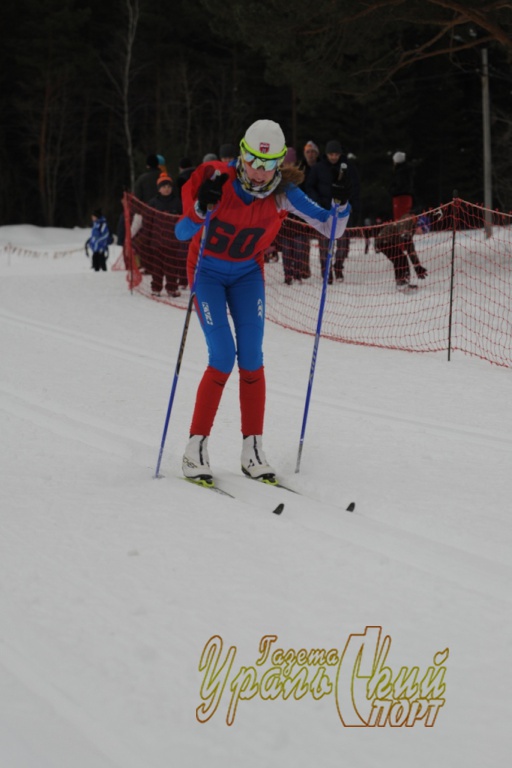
(210,191)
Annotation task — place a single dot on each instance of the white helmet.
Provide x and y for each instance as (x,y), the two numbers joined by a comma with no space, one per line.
(264,138)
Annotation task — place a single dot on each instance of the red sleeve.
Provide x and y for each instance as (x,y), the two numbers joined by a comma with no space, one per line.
(191,187)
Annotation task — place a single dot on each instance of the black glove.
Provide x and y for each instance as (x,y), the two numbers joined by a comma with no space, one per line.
(341,187)
(421,271)
(210,191)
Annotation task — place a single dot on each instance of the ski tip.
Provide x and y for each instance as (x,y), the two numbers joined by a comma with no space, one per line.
(278,509)
(351,506)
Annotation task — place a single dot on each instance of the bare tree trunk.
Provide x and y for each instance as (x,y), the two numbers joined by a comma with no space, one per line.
(188,101)
(133,13)
(82,158)
(41,170)
(119,72)
(51,147)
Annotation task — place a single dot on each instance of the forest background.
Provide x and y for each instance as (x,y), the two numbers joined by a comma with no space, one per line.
(88,89)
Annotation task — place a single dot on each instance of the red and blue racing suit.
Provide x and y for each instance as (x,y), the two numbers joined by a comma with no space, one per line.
(231,278)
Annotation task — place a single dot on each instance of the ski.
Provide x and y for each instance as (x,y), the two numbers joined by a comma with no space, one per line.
(276,484)
(270,479)
(271,483)
(209,486)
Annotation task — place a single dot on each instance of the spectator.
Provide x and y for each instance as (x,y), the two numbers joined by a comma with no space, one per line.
(164,251)
(209,157)
(121,235)
(395,241)
(121,228)
(185,169)
(401,187)
(145,190)
(249,202)
(99,241)
(290,243)
(146,184)
(228,153)
(291,156)
(318,187)
(287,241)
(311,157)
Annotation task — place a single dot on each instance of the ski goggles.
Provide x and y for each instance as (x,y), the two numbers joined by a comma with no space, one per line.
(268,163)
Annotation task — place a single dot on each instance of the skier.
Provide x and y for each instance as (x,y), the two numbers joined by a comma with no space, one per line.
(251,198)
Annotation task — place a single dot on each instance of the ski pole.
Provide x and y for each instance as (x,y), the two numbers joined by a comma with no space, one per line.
(327,272)
(318,331)
(190,306)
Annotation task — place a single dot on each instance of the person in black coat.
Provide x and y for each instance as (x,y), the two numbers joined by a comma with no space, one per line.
(185,171)
(146,184)
(318,188)
(311,155)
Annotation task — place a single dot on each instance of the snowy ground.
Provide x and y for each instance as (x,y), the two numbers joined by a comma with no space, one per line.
(112,582)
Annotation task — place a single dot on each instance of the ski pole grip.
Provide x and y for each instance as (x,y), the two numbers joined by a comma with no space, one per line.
(340,192)
(214,175)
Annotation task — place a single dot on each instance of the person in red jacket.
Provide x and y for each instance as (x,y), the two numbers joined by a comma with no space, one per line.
(251,197)
(401,186)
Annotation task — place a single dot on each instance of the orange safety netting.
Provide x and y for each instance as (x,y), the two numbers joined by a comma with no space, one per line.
(464,303)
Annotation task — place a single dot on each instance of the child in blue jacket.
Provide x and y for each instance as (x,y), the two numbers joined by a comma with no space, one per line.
(99,241)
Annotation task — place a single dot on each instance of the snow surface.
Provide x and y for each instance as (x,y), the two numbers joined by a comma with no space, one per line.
(112,582)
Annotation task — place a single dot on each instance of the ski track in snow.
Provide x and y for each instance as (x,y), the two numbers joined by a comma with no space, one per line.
(162,363)
(375,536)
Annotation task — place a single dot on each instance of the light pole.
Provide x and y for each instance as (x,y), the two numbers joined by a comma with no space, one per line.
(473,33)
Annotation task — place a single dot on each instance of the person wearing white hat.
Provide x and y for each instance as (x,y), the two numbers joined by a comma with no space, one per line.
(250,200)
(401,187)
